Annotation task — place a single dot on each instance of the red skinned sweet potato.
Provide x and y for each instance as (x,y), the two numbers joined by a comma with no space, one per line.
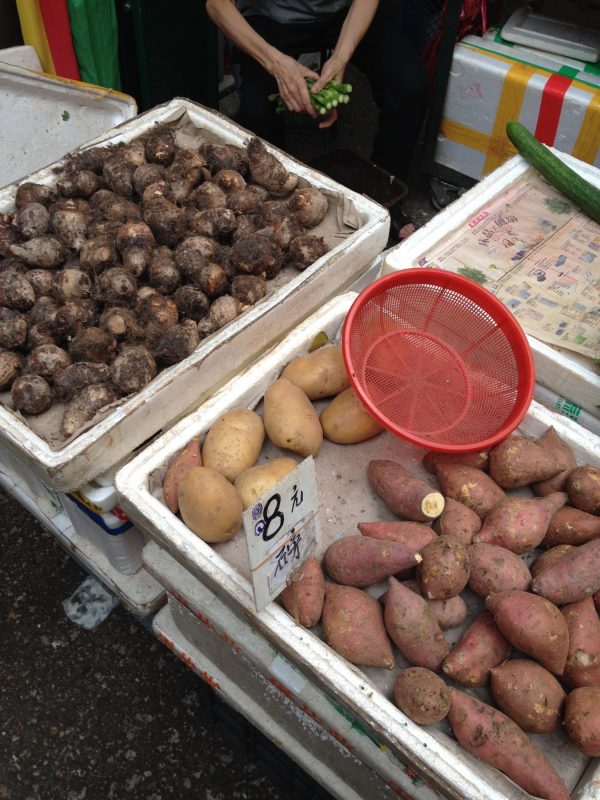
(361,561)
(548,558)
(529,694)
(582,719)
(444,568)
(187,458)
(583,488)
(571,526)
(353,626)
(518,461)
(478,460)
(449,613)
(533,625)
(494,738)
(496,569)
(405,495)
(413,535)
(583,660)
(422,695)
(304,595)
(575,576)
(469,486)
(481,647)
(560,451)
(457,520)
(413,627)
(520,523)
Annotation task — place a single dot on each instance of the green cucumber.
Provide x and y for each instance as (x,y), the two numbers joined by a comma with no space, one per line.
(555,171)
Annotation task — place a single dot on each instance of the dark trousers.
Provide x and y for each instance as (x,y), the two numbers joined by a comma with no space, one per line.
(395,72)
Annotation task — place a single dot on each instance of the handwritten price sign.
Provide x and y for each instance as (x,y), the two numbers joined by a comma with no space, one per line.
(282,531)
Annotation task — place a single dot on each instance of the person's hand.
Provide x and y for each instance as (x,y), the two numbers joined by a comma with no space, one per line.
(333,70)
(328,120)
(291,80)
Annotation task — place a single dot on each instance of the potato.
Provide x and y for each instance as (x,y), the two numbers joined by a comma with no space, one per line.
(444,569)
(209,504)
(422,695)
(319,374)
(254,482)
(583,488)
(304,595)
(573,577)
(346,421)
(582,719)
(290,420)
(481,648)
(520,523)
(234,442)
(184,460)
(528,694)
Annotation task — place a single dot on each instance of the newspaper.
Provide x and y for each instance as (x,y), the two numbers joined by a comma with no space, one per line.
(540,255)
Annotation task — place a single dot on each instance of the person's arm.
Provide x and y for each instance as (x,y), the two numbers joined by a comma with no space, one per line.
(289,73)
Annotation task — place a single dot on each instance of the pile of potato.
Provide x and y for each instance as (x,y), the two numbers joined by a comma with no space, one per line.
(138,252)
(535,644)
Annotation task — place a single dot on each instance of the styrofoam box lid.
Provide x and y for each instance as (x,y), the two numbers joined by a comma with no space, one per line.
(553,35)
(42,117)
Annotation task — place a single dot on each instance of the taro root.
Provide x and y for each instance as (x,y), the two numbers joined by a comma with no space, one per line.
(157,315)
(267,171)
(206,326)
(31,394)
(104,228)
(69,223)
(274,211)
(309,205)
(229,180)
(133,368)
(71,284)
(305,250)
(185,173)
(193,252)
(246,224)
(73,317)
(75,377)
(91,159)
(32,220)
(166,221)
(102,198)
(41,281)
(133,152)
(83,408)
(12,264)
(207,196)
(16,291)
(92,344)
(13,328)
(243,202)
(256,254)
(191,303)
(213,222)
(79,183)
(47,360)
(285,230)
(118,175)
(41,333)
(121,323)
(212,280)
(43,310)
(8,234)
(224,310)
(224,156)
(135,241)
(147,174)
(116,286)
(44,251)
(248,289)
(163,274)
(158,190)
(178,342)
(160,148)
(142,293)
(119,208)
(10,367)
(33,193)
(98,253)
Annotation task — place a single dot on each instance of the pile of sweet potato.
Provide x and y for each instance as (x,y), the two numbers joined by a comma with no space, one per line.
(533,557)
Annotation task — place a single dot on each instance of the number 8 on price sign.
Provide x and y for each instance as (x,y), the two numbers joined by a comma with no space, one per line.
(282,530)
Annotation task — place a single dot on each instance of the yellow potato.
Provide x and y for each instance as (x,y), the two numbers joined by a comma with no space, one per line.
(234,442)
(209,504)
(290,420)
(346,421)
(321,373)
(257,480)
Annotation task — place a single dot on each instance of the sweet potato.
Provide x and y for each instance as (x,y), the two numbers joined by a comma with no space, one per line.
(496,569)
(413,535)
(582,719)
(457,520)
(353,626)
(481,647)
(583,488)
(583,660)
(520,523)
(361,561)
(469,486)
(413,627)
(444,569)
(518,461)
(449,613)
(529,694)
(304,595)
(560,451)
(478,460)
(548,558)
(186,459)
(571,526)
(494,738)
(533,625)
(575,576)
(405,495)
(422,695)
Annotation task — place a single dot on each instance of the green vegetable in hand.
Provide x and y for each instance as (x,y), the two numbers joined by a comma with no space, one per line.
(330,96)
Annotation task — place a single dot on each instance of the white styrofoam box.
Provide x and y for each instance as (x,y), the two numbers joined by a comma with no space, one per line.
(43,116)
(491,84)
(568,374)
(554,35)
(345,499)
(218,357)
(21,56)
(20,472)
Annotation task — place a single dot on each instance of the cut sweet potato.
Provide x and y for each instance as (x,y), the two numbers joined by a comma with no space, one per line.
(405,495)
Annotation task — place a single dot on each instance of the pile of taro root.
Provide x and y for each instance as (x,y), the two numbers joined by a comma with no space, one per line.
(138,252)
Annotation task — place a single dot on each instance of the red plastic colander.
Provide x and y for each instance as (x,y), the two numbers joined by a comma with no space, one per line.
(438,360)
